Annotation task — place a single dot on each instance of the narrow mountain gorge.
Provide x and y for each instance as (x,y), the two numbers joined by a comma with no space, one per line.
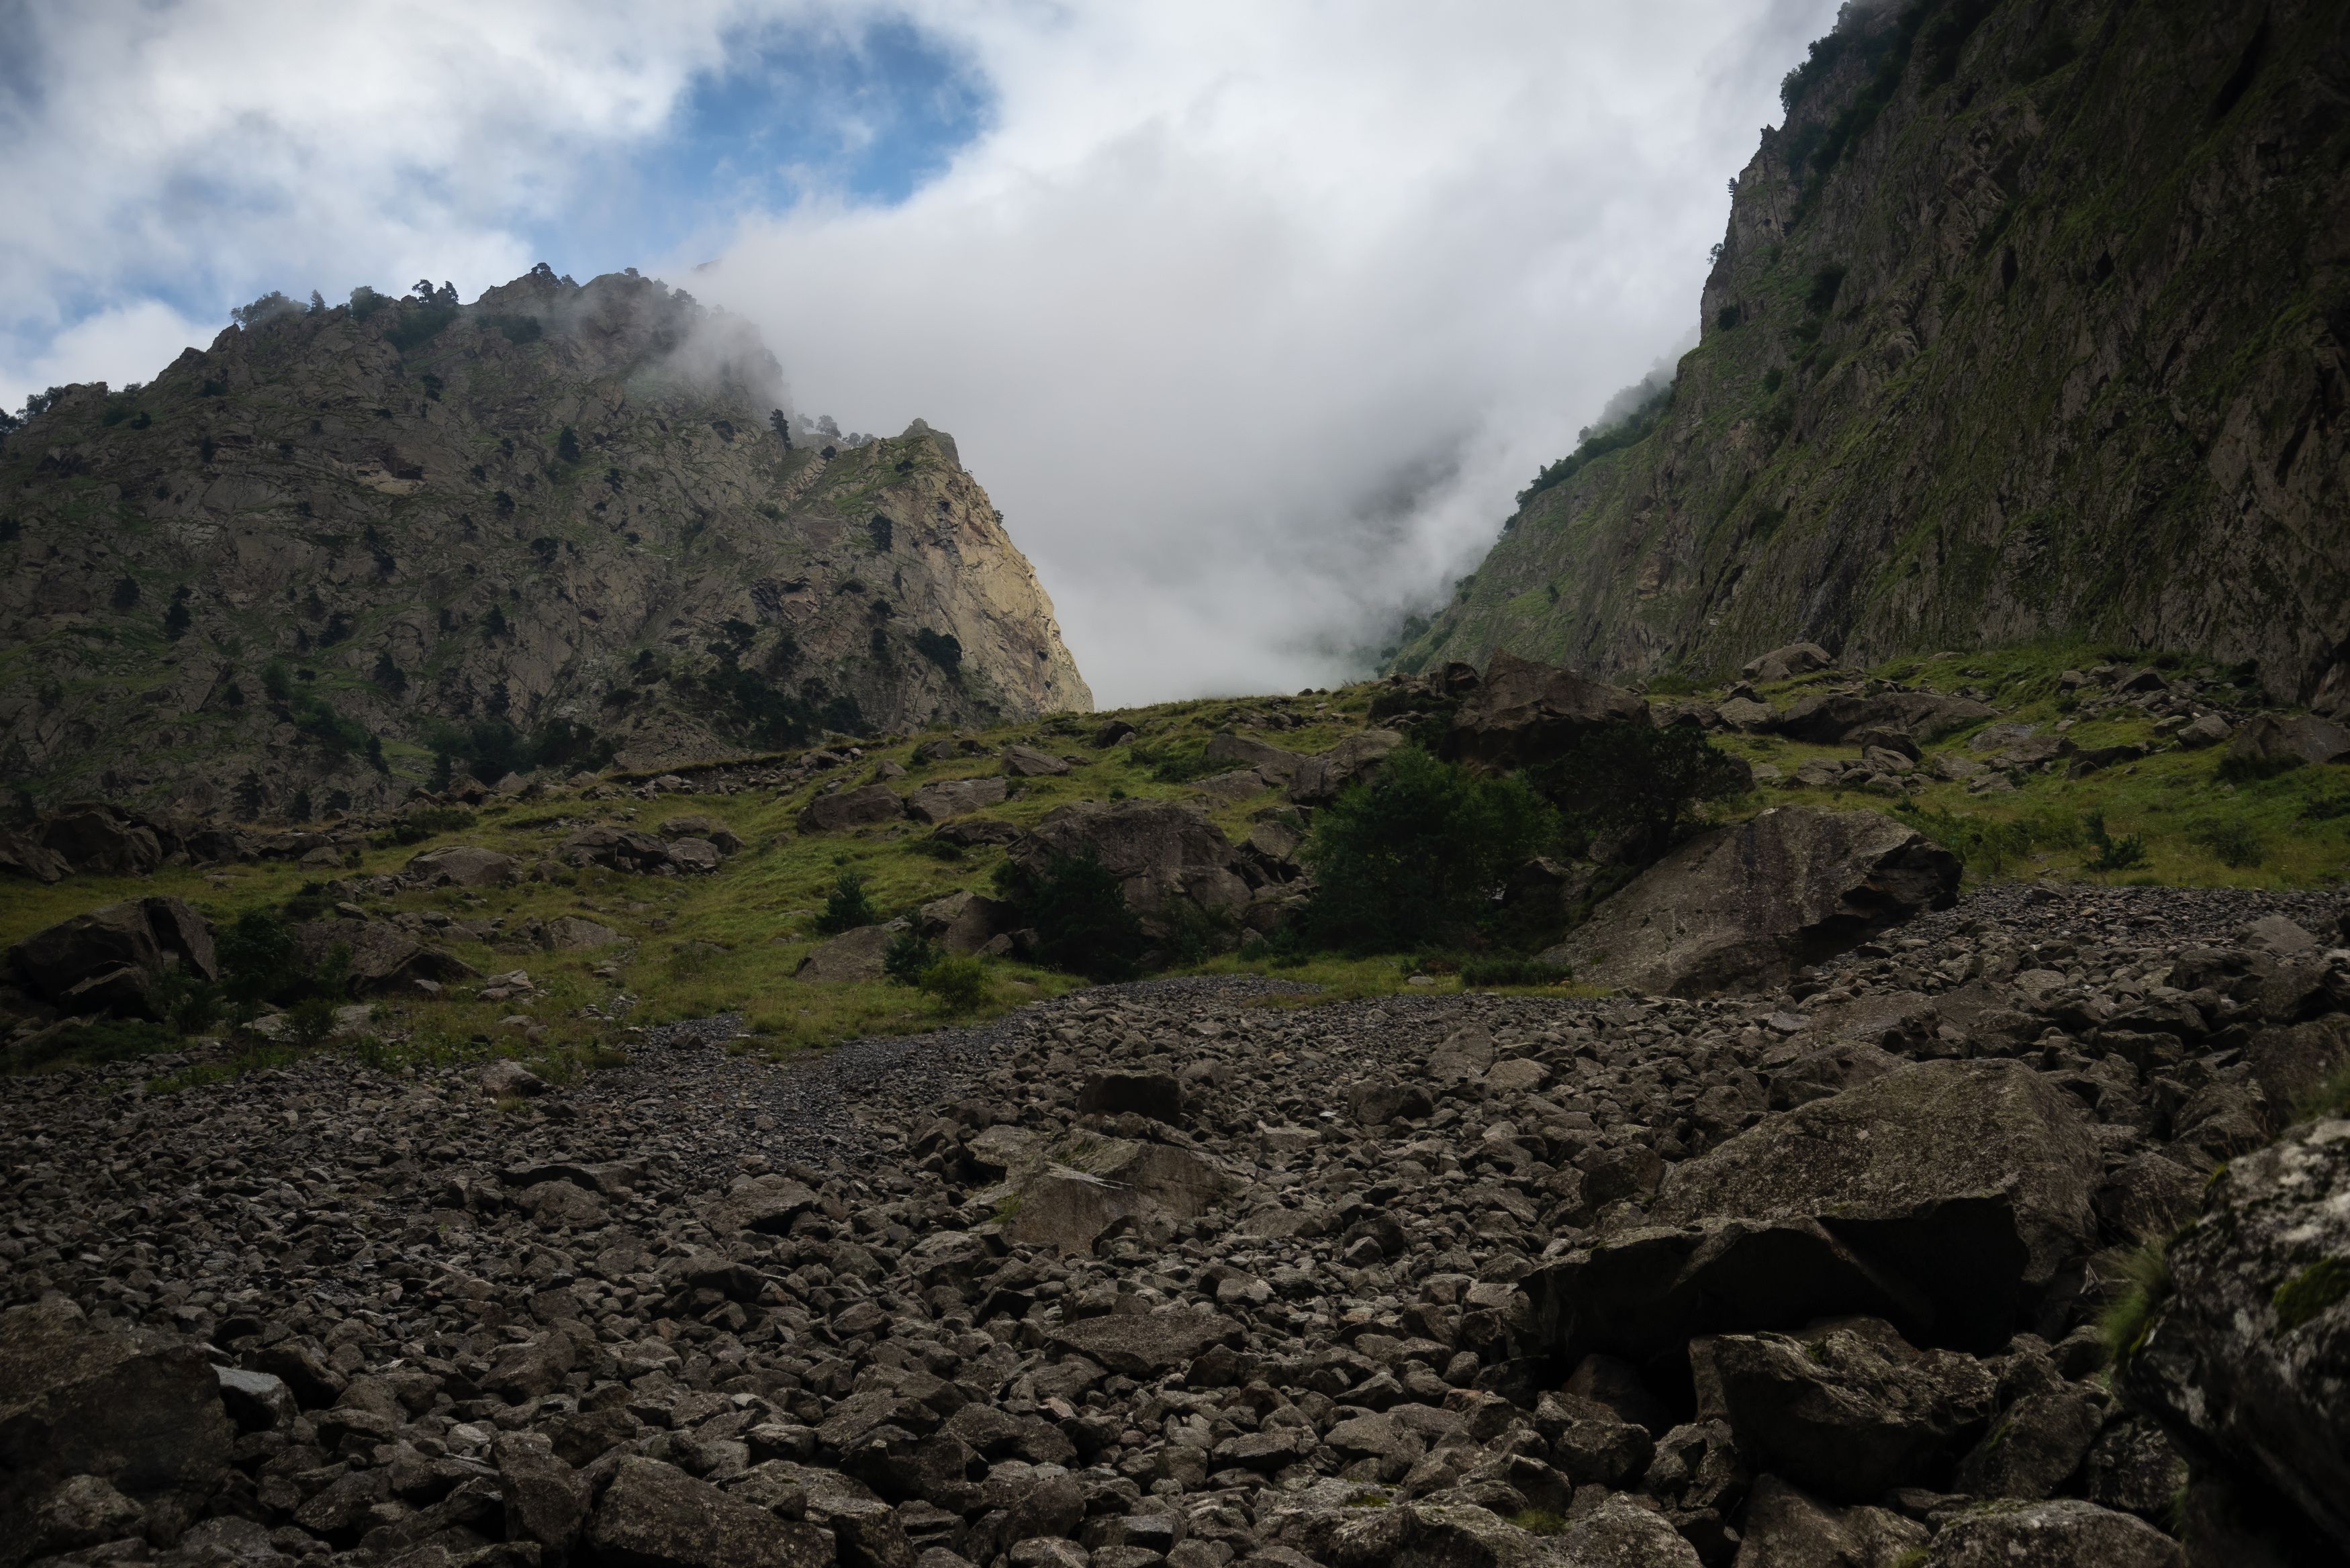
(559,523)
(2030,322)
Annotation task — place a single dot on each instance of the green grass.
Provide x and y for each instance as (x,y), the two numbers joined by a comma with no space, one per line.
(2145,1273)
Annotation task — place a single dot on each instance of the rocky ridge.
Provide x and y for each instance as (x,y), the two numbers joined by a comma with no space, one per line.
(2027,322)
(1179,1272)
(571,514)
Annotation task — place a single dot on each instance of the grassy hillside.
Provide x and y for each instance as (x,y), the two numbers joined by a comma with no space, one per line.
(728,942)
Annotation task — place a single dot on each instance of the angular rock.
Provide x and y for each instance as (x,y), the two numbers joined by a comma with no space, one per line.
(1163,853)
(1144,1346)
(1784,1527)
(139,1410)
(1323,778)
(850,957)
(1827,718)
(1968,1181)
(117,953)
(459,866)
(1269,762)
(1848,1411)
(572,933)
(965,922)
(949,798)
(2066,1533)
(654,1515)
(2290,739)
(1523,712)
(546,1500)
(2034,1447)
(1126,1184)
(383,960)
(101,840)
(2249,1355)
(1751,903)
(1785,663)
(1027,762)
(768,1204)
(851,808)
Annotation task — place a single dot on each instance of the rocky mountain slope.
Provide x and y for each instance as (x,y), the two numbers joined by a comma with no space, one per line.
(556,523)
(2030,321)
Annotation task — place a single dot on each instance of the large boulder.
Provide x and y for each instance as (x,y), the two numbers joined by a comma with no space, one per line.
(965,922)
(654,1515)
(1785,663)
(459,866)
(110,959)
(1967,1182)
(949,798)
(851,808)
(1748,904)
(140,1411)
(2289,740)
(1321,778)
(2249,1358)
(1828,717)
(2065,1534)
(854,955)
(383,958)
(1027,762)
(1524,712)
(1143,1345)
(1784,1527)
(101,840)
(27,857)
(1848,1410)
(1098,1185)
(1163,852)
(1272,762)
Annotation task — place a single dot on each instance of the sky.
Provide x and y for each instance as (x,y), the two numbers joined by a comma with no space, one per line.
(1251,317)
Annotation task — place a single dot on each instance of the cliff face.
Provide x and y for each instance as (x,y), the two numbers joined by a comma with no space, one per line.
(549,525)
(2031,321)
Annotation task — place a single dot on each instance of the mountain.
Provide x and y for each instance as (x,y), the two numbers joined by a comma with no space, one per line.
(2031,321)
(345,547)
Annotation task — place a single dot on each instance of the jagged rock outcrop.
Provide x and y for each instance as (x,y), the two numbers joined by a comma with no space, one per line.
(562,515)
(2028,322)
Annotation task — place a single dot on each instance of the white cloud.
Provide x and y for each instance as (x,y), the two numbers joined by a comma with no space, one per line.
(1252,317)
(128,343)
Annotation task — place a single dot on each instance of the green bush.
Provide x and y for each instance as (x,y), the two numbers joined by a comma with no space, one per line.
(2235,841)
(1984,846)
(2112,854)
(909,956)
(1504,970)
(2243,767)
(847,907)
(1643,783)
(1078,911)
(959,984)
(1416,857)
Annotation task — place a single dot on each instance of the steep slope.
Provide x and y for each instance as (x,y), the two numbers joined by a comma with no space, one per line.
(2030,321)
(558,522)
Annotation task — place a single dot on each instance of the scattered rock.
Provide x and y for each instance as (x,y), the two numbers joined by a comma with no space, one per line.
(852,808)
(1786,663)
(1027,762)
(459,866)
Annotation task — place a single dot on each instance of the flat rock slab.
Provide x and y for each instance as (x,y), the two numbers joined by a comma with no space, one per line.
(1145,1345)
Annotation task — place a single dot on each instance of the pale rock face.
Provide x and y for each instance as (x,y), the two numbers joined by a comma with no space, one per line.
(558,503)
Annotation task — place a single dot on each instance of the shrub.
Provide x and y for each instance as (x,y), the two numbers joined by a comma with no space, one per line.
(2232,839)
(566,445)
(2112,854)
(311,1021)
(941,649)
(1643,783)
(959,984)
(1415,857)
(2245,768)
(1078,911)
(2124,1323)
(908,958)
(847,907)
(1985,846)
(1484,972)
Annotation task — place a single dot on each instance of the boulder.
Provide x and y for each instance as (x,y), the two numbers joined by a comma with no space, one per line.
(707,828)
(1786,663)
(1523,712)
(26,857)
(851,808)
(965,922)
(1269,762)
(111,958)
(1967,1182)
(654,1515)
(1120,1185)
(139,1410)
(101,840)
(1027,762)
(1785,1526)
(2037,1444)
(384,959)
(566,933)
(2289,740)
(949,798)
(768,1204)
(2248,1356)
(975,832)
(459,866)
(849,956)
(1748,904)
(1848,1410)
(1112,731)
(1746,714)
(1143,1345)
(546,1500)
(694,855)
(1324,776)
(1827,718)
(2065,1534)
(1163,852)
(620,849)
(2205,730)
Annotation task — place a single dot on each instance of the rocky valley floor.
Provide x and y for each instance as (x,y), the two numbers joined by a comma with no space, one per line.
(1204,1272)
